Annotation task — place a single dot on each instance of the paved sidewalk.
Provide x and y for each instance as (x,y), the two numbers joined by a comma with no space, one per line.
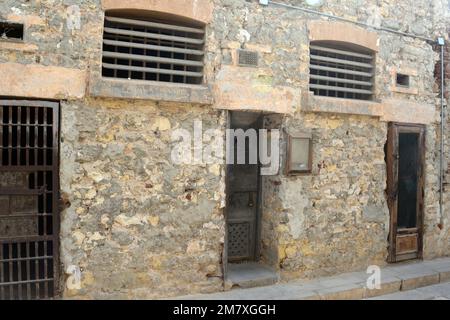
(395,279)
(439,291)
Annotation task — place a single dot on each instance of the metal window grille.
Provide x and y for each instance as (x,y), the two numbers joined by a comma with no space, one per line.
(29,185)
(338,71)
(248,58)
(153,50)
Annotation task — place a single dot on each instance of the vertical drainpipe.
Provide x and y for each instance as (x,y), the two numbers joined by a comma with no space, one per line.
(441,156)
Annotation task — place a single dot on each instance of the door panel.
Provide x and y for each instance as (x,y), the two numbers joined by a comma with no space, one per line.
(404,157)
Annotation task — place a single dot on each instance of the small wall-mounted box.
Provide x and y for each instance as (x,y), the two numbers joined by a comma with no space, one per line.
(299,154)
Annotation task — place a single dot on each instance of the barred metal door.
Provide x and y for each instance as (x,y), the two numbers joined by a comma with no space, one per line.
(29,186)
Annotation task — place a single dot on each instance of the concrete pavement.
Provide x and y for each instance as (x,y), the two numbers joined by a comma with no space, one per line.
(399,280)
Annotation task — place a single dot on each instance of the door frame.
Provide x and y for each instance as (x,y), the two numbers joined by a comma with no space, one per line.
(392,156)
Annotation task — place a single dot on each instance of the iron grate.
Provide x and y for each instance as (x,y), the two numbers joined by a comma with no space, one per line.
(238,239)
(28,199)
(248,58)
(342,72)
(153,50)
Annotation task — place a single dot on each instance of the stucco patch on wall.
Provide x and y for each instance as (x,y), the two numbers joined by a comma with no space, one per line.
(295,202)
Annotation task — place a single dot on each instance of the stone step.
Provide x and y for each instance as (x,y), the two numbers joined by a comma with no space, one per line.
(250,275)
(349,286)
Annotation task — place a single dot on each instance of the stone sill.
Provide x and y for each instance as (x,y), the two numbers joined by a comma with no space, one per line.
(340,105)
(149,90)
(387,110)
(406,90)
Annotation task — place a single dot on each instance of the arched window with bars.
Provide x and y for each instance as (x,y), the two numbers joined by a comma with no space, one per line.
(153,47)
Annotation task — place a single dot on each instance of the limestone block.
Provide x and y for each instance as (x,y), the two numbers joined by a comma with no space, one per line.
(200,10)
(38,81)
(343,32)
(245,88)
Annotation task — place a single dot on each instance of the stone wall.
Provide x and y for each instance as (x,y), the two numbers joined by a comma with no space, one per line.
(139,226)
(336,218)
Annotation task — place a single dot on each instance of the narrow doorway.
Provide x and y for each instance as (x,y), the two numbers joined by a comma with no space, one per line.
(243,186)
(29,187)
(242,266)
(405,177)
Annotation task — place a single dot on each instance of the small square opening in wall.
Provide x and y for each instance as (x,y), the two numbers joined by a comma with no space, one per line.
(11,31)
(402,80)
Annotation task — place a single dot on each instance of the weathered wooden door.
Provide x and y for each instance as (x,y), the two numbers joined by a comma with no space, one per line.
(29,193)
(405,179)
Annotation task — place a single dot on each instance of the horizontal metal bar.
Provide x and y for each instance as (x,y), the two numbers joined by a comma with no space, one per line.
(27,239)
(5,168)
(344,52)
(26,148)
(340,80)
(25,282)
(137,57)
(342,89)
(118,37)
(25,125)
(13,191)
(27,259)
(152,47)
(344,71)
(154,36)
(24,215)
(152,70)
(154,24)
(341,61)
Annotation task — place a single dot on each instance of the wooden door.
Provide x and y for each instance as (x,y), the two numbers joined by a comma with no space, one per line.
(405,182)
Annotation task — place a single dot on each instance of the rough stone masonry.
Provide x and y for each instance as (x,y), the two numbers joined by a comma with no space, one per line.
(139,226)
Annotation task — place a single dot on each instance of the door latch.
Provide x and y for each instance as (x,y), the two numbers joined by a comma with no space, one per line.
(251,202)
